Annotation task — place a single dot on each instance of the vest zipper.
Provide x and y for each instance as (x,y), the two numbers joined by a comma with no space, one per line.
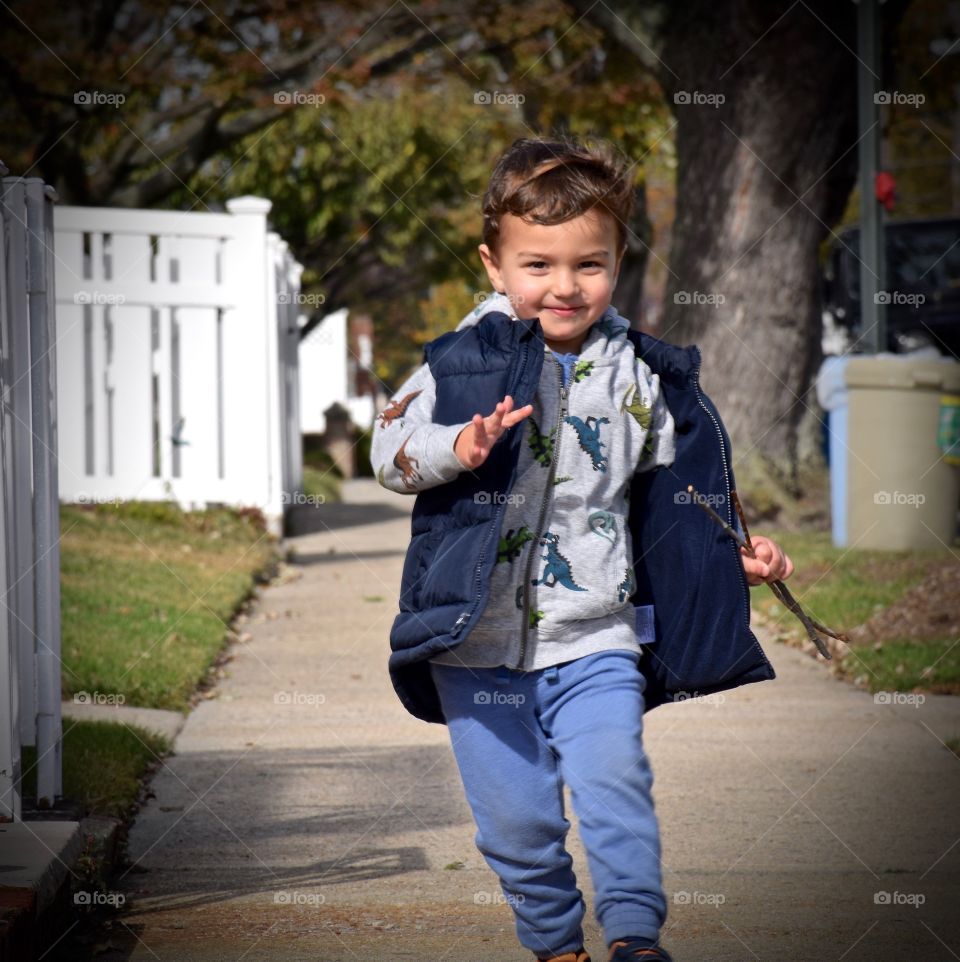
(495,526)
(525,626)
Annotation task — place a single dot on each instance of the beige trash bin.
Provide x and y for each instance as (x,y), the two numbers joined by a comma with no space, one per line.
(901,493)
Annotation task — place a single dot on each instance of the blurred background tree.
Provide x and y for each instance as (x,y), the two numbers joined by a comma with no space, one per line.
(375,159)
(363,123)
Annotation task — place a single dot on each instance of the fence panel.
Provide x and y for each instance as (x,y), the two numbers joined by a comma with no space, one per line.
(173,383)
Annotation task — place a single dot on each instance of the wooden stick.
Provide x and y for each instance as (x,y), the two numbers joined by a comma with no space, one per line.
(780,590)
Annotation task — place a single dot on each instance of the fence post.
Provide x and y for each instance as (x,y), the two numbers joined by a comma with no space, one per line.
(29,553)
(46,502)
(10,808)
(18,495)
(249,353)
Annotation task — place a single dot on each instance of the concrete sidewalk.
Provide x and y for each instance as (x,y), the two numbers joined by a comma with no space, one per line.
(306,816)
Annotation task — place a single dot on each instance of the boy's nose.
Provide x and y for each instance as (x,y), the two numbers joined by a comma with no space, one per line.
(564,285)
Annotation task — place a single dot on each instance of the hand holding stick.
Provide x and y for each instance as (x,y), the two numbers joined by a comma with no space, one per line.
(779,589)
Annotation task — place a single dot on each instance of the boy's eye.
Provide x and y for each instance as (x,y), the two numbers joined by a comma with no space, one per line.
(539,265)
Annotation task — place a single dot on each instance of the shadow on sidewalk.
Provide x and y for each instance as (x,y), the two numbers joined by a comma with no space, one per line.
(303,519)
(338,557)
(331,823)
(119,935)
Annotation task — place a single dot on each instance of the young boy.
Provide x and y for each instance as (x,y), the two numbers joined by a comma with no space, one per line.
(559,581)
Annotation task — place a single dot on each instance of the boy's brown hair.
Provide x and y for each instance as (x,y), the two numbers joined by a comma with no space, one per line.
(553,181)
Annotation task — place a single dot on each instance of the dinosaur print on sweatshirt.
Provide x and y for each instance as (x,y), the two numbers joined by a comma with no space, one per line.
(405,465)
(636,407)
(511,545)
(541,444)
(604,524)
(581,370)
(396,409)
(643,416)
(557,567)
(588,434)
(535,615)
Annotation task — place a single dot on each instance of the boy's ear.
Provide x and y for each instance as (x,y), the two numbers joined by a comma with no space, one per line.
(490,263)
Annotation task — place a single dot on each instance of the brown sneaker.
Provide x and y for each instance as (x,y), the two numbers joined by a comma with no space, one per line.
(579,956)
(627,951)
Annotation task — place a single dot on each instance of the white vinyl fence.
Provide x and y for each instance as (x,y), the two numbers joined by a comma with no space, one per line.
(143,355)
(29,513)
(178,335)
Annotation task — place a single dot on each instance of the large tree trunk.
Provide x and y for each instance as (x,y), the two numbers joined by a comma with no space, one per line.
(761,179)
(629,293)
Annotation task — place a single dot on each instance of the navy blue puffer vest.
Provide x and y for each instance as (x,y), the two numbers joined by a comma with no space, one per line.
(685,566)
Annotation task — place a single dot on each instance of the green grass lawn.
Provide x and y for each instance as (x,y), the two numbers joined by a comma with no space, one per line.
(103,763)
(147,591)
(842,588)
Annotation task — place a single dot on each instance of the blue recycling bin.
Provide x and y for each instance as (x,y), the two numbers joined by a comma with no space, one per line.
(833,397)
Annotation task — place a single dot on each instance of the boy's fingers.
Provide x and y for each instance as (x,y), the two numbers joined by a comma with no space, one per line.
(756,570)
(479,428)
(519,414)
(492,423)
(776,563)
(762,549)
(503,416)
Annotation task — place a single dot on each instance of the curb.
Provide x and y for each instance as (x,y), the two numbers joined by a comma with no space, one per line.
(159,720)
(40,852)
(35,885)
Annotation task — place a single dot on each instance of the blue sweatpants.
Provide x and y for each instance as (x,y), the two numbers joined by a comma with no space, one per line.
(518,736)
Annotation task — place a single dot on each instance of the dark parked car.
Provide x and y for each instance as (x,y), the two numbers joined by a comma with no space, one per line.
(922,285)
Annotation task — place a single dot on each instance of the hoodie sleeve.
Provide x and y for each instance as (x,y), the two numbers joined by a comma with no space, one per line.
(659,449)
(409,452)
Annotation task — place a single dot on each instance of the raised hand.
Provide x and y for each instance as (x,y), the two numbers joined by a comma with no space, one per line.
(474,442)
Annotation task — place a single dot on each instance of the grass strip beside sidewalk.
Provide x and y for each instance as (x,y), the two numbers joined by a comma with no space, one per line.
(103,764)
(147,593)
(849,590)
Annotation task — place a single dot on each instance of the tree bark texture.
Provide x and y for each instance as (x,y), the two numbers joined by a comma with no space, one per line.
(762,177)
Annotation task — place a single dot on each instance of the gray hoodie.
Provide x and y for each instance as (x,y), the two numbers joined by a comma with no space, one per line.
(564,574)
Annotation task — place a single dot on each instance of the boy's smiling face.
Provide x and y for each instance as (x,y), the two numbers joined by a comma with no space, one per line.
(562,273)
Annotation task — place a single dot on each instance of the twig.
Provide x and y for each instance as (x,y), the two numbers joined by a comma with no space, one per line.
(780,590)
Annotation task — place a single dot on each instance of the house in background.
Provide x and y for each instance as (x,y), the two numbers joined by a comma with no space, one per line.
(339,394)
